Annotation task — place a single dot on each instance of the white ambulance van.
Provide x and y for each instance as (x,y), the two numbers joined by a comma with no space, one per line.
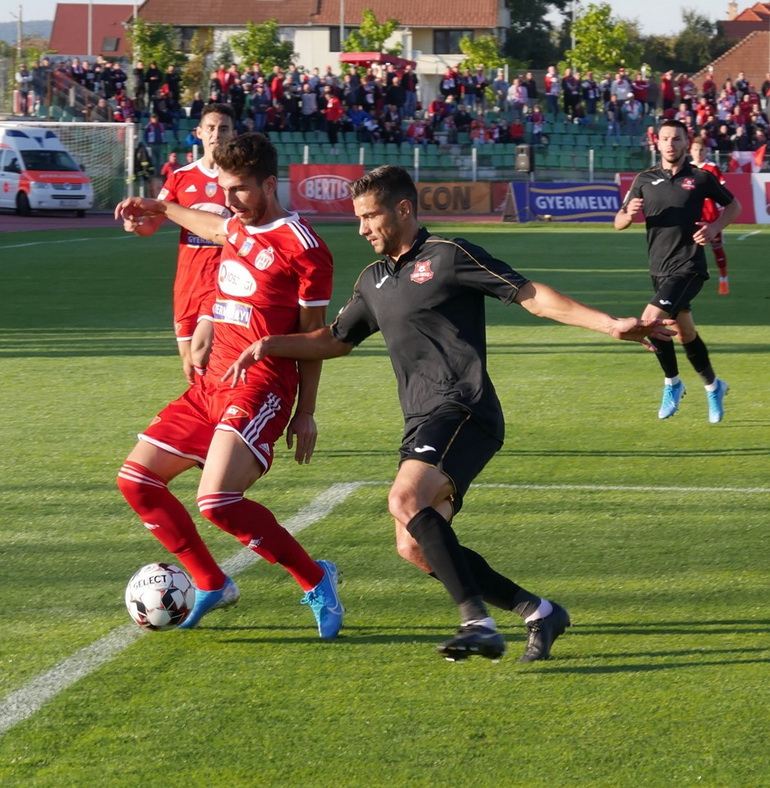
(37,173)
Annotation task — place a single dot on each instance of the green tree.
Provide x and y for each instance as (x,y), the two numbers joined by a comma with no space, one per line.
(482,50)
(531,36)
(699,42)
(158,43)
(602,43)
(195,75)
(371,35)
(262,44)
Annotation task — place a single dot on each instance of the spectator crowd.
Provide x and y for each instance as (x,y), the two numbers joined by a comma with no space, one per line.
(382,104)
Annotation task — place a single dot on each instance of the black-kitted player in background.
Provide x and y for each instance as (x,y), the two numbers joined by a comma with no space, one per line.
(426,296)
(671,196)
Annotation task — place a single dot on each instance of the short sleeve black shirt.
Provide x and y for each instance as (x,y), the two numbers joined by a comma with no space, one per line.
(429,306)
(673,205)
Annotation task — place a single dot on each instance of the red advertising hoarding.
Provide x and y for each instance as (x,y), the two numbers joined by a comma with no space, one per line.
(322,188)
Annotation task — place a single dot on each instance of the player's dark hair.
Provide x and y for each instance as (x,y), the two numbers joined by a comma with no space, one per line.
(248,154)
(673,124)
(388,184)
(220,109)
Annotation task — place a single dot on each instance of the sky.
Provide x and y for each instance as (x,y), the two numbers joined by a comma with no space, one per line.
(656,17)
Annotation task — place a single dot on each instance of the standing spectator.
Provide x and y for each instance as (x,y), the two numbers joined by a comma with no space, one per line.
(480,83)
(639,88)
(196,106)
(308,108)
(276,84)
(765,93)
(437,111)
(155,137)
(667,90)
(24,86)
(409,81)
(590,93)
(687,91)
(531,87)
(653,96)
(517,99)
(570,91)
(621,87)
(259,103)
(139,87)
(612,113)
(741,85)
(633,115)
(171,165)
(154,80)
(395,93)
(333,113)
(709,91)
(174,83)
(41,75)
(237,98)
(537,119)
(552,91)
(448,85)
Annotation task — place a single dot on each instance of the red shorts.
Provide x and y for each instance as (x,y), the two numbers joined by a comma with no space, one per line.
(186,426)
(189,306)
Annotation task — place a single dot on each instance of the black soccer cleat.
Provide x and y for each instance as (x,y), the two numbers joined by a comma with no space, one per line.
(543,632)
(472,640)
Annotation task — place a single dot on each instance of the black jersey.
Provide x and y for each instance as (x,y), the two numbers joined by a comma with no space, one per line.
(673,205)
(429,306)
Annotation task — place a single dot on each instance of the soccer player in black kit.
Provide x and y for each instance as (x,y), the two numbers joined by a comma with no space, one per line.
(426,296)
(671,197)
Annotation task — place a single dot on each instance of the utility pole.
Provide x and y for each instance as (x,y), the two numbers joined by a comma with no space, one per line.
(19,32)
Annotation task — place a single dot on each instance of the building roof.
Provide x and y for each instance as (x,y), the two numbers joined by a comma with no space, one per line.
(69,34)
(228,13)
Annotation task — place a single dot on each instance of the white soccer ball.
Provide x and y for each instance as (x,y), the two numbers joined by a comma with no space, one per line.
(159,596)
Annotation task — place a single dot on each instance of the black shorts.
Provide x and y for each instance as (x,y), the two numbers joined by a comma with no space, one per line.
(453,441)
(674,293)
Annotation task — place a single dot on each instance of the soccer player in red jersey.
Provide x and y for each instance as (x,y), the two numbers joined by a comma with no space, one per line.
(711,212)
(195,186)
(275,276)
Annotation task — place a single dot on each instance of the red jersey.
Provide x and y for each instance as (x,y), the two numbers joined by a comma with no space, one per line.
(265,275)
(711,210)
(194,186)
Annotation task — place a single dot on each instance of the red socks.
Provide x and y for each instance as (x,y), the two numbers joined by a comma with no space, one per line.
(255,526)
(163,514)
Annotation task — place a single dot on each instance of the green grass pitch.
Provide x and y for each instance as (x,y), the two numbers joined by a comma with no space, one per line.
(653,534)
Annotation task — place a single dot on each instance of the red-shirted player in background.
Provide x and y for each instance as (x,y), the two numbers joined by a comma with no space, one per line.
(195,186)
(711,212)
(275,276)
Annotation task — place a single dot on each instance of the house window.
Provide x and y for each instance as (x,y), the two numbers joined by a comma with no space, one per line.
(447,42)
(334,37)
(186,35)
(110,44)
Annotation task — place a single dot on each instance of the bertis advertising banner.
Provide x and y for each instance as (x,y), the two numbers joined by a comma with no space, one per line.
(322,188)
(562,202)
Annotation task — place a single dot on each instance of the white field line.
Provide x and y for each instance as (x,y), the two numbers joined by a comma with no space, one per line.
(748,235)
(80,240)
(24,702)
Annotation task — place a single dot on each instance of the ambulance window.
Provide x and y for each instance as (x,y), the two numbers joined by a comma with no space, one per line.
(12,164)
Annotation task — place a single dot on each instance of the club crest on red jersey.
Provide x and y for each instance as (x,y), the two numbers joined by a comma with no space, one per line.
(246,247)
(211,189)
(688,183)
(422,272)
(265,258)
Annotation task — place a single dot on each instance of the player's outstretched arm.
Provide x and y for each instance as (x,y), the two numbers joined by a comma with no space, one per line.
(203,223)
(313,346)
(544,301)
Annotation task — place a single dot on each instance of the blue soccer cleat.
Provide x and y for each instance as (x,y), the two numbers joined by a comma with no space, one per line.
(206,601)
(715,399)
(672,396)
(325,603)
